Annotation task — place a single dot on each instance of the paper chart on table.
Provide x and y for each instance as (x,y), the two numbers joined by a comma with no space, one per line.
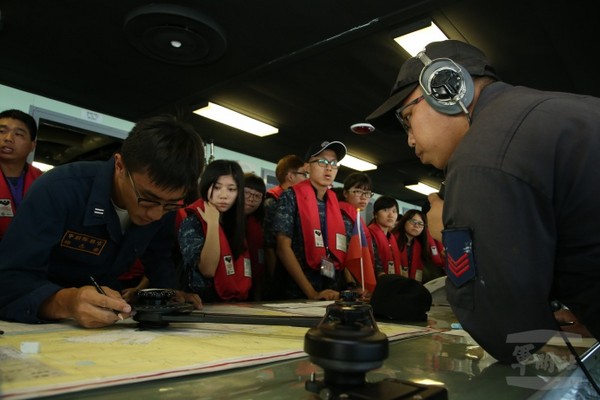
(73,359)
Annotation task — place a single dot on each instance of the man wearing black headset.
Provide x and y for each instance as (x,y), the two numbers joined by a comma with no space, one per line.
(520,221)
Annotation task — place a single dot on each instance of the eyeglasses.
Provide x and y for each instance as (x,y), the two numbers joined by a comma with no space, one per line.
(362,193)
(324,163)
(142,202)
(405,120)
(304,174)
(252,196)
(416,222)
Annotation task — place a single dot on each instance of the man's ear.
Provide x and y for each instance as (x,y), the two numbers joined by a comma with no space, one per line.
(289,177)
(119,164)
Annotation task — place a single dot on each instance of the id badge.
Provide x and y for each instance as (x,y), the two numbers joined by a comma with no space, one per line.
(340,242)
(390,268)
(228,261)
(404,271)
(419,275)
(6,208)
(247,268)
(318,238)
(327,268)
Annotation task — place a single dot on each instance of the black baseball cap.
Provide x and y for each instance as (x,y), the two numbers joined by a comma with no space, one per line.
(464,54)
(316,148)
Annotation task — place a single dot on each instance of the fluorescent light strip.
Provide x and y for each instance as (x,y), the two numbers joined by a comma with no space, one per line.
(236,120)
(41,166)
(357,164)
(422,188)
(416,41)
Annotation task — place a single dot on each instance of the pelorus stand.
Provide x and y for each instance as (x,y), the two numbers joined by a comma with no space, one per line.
(347,344)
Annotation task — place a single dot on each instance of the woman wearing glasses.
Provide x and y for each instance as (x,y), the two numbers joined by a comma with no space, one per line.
(254,194)
(413,244)
(386,252)
(212,236)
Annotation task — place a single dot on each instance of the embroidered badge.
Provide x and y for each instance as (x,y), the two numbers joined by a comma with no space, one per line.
(460,263)
(81,242)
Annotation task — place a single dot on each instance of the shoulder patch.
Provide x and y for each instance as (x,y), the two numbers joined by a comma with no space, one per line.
(460,263)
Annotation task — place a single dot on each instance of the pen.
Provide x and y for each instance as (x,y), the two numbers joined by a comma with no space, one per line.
(101,291)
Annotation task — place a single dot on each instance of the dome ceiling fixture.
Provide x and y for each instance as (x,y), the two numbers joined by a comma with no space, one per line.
(175,34)
(362,128)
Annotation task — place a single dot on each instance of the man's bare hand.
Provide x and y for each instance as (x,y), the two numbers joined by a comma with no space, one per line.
(185,297)
(327,294)
(86,306)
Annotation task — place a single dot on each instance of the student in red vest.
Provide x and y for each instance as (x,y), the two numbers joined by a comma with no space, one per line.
(212,236)
(311,234)
(290,170)
(17,140)
(254,194)
(385,247)
(356,194)
(413,244)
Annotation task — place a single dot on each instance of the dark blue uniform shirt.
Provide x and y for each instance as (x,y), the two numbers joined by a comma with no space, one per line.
(66,230)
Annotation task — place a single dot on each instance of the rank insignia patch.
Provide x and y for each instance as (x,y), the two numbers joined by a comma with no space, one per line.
(460,263)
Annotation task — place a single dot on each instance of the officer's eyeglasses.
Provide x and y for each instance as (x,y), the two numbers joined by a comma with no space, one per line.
(405,120)
(324,163)
(142,202)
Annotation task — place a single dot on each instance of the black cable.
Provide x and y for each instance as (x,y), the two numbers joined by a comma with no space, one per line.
(580,363)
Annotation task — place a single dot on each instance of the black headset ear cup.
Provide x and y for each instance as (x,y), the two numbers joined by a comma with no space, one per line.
(446,86)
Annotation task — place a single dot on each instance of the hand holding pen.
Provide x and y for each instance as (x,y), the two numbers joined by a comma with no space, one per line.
(101,291)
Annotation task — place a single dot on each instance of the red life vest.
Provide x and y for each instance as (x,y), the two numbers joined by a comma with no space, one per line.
(6,199)
(435,248)
(233,278)
(416,261)
(308,212)
(387,248)
(275,192)
(256,246)
(136,271)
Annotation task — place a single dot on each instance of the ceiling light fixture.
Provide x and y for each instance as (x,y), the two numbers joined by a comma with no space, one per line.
(357,164)
(362,128)
(422,188)
(236,120)
(415,41)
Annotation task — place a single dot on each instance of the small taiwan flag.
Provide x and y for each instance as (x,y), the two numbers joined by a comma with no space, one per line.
(358,257)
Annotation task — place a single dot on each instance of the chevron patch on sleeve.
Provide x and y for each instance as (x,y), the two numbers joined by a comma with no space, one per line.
(460,263)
